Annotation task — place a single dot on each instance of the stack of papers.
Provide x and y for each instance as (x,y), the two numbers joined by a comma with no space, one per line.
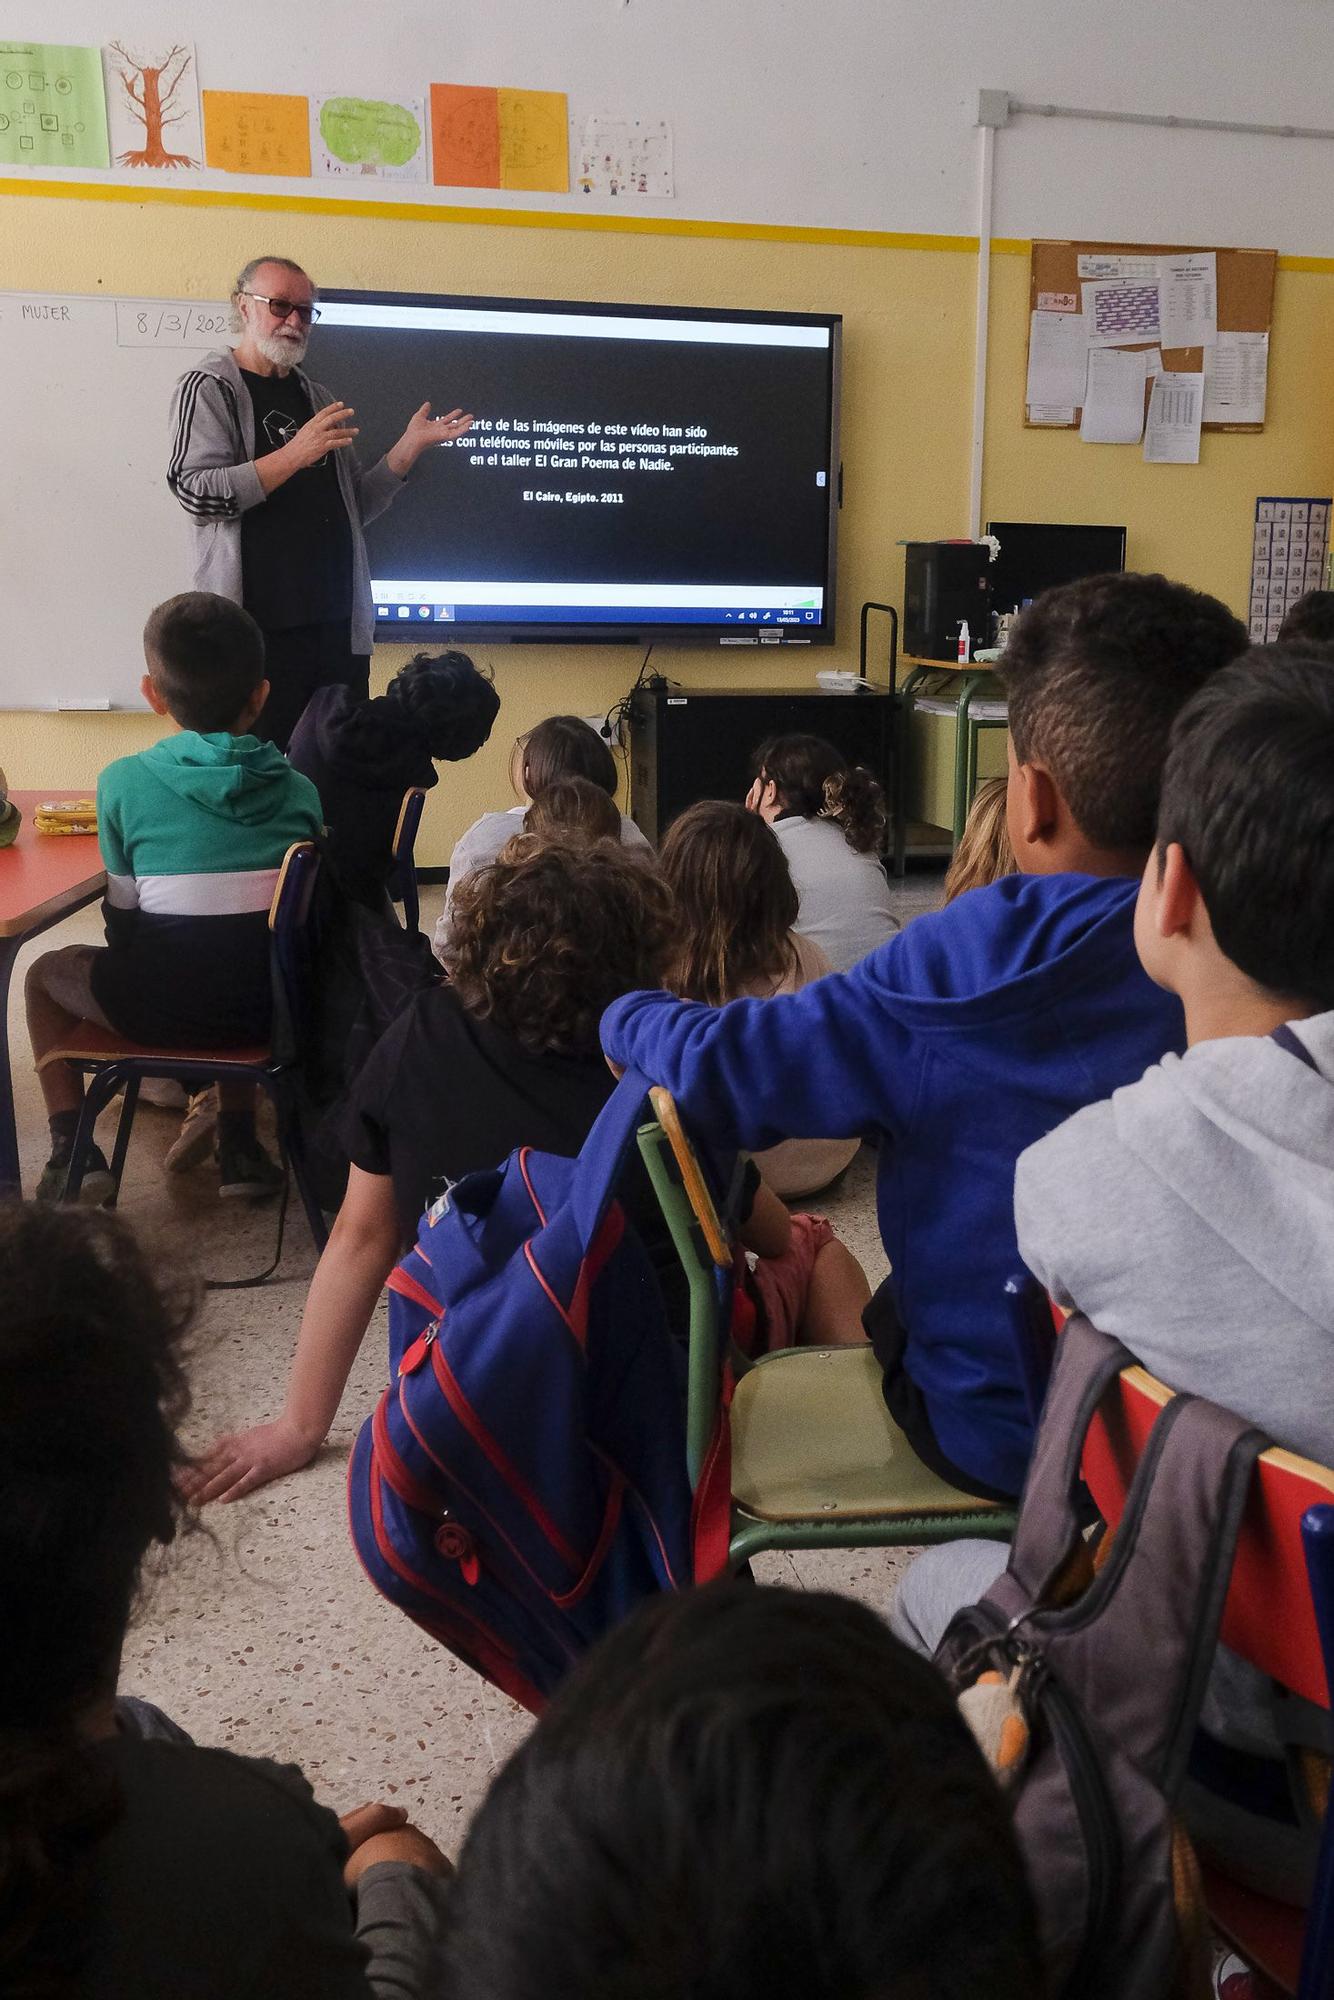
(1096,354)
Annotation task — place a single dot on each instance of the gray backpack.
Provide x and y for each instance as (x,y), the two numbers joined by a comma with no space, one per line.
(1092,1701)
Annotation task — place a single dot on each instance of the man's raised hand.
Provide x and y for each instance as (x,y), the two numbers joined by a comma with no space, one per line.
(328,430)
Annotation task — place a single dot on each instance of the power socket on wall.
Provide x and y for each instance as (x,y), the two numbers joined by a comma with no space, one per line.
(610,730)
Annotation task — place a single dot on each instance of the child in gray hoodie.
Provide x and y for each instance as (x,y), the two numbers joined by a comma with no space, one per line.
(1191,1214)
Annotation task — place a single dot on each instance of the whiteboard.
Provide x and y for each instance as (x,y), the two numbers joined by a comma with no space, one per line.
(90,537)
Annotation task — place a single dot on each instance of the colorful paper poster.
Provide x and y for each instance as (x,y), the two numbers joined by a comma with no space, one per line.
(465,135)
(535,141)
(369,138)
(484,137)
(626,156)
(52,106)
(250,132)
(153,103)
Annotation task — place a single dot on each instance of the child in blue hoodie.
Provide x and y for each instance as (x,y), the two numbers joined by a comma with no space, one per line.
(981,1027)
(193,832)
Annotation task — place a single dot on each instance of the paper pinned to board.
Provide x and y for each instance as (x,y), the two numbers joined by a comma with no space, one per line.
(1059,415)
(1188,299)
(1176,409)
(1116,312)
(1126,270)
(153,103)
(626,156)
(1236,379)
(1057,364)
(1113,397)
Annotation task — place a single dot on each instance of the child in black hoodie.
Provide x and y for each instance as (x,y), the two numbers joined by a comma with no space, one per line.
(362,756)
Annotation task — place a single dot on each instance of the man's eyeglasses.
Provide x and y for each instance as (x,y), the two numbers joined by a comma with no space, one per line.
(284,308)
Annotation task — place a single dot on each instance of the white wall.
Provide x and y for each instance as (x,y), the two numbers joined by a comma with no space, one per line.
(848,113)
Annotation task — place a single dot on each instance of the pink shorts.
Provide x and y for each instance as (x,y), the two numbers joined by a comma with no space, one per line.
(779,1285)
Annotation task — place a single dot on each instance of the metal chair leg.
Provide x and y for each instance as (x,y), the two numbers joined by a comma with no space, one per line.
(292,1141)
(124,1126)
(101,1088)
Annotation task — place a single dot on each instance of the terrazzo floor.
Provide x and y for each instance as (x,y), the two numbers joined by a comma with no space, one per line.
(259,1631)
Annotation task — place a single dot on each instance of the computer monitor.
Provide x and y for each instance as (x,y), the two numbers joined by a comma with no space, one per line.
(1035,555)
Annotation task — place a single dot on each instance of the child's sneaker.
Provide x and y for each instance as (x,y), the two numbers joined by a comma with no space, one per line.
(245,1171)
(96,1188)
(195,1140)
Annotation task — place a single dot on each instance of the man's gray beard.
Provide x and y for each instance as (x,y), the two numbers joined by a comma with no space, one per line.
(282,353)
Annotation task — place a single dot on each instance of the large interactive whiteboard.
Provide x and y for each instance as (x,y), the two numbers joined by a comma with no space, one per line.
(90,537)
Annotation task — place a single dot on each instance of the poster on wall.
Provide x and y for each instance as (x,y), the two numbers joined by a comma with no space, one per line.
(52,106)
(257,132)
(1289,555)
(497,138)
(626,156)
(152,92)
(369,138)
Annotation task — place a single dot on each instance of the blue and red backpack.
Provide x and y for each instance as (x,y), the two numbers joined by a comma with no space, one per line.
(522,1484)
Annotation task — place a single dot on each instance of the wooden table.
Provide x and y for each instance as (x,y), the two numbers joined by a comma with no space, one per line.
(43,879)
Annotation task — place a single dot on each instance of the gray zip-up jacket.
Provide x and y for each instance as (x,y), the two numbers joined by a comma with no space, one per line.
(212,473)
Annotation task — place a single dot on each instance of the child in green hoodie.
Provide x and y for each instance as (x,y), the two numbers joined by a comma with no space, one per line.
(193,832)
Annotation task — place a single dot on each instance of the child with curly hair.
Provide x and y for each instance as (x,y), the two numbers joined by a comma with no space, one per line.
(504,1054)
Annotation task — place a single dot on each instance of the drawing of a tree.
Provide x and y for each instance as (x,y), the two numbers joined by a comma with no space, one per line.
(151,91)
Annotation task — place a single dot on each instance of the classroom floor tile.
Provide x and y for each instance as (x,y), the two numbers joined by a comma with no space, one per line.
(258,1631)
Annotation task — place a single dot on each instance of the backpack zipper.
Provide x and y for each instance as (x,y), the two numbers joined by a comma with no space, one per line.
(1096,1821)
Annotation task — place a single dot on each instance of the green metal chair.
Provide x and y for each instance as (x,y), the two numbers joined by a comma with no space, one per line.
(817,1460)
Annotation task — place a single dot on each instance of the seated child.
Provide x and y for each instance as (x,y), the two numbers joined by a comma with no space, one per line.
(132,1861)
(829,816)
(749,1793)
(1189,1214)
(984,853)
(506,1055)
(362,756)
(1311,620)
(736,907)
(561,747)
(193,832)
(984,1024)
(572,809)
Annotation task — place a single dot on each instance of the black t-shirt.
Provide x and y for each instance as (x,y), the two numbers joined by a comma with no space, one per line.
(443,1094)
(296,546)
(222,1877)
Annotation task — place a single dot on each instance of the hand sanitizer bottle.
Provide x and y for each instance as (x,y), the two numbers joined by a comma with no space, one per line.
(965,644)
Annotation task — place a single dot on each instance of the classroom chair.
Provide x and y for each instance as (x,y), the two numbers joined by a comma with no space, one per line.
(1279,1615)
(110,1062)
(816,1459)
(403,877)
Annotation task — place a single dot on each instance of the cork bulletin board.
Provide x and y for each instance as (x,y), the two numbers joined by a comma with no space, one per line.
(1245,306)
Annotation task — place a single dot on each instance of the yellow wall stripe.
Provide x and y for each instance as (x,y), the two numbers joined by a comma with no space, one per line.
(513,218)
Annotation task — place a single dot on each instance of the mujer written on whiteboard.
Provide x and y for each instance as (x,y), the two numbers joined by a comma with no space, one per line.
(263,462)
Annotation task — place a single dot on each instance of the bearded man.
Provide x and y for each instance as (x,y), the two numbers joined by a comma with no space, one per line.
(263,462)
